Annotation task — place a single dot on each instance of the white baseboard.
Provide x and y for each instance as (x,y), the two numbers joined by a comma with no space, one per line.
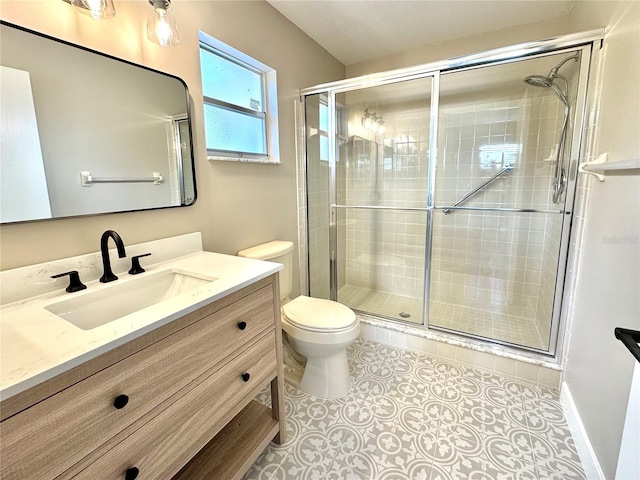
(628,459)
(588,457)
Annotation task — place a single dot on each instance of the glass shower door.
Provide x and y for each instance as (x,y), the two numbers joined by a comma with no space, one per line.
(380,205)
(504,135)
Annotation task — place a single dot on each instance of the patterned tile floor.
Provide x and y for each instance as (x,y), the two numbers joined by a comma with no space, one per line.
(410,416)
(516,329)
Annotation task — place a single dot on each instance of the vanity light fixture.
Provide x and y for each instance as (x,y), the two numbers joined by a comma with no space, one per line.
(367,119)
(161,27)
(97,9)
(373,122)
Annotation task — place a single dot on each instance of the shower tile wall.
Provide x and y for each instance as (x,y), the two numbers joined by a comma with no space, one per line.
(317,203)
(386,249)
(318,218)
(549,269)
(494,260)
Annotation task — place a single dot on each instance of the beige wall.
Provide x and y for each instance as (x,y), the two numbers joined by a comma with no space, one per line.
(238,204)
(598,368)
(464,46)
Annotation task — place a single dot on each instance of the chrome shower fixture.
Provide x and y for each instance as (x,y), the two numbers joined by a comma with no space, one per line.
(553,73)
(541,81)
(549,80)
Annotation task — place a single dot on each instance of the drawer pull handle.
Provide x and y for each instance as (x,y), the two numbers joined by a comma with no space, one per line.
(131,473)
(242,325)
(120,402)
(245,377)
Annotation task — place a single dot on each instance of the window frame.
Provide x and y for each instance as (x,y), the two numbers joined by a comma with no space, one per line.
(269,100)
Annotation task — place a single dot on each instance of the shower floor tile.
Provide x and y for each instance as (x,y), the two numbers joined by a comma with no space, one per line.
(412,416)
(519,330)
(507,328)
(380,303)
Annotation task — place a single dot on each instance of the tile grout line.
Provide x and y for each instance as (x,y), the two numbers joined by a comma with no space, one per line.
(537,404)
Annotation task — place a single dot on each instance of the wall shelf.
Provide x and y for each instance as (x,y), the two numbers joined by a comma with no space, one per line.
(600,165)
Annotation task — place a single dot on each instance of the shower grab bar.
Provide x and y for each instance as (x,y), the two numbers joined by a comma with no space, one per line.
(506,169)
(498,209)
(86,179)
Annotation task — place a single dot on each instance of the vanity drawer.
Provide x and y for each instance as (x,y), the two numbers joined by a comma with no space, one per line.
(164,445)
(63,429)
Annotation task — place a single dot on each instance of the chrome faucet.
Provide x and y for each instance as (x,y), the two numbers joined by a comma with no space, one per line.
(104,248)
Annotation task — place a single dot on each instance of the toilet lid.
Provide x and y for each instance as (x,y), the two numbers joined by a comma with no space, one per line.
(318,315)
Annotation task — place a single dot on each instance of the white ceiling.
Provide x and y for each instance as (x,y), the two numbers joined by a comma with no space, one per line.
(355,31)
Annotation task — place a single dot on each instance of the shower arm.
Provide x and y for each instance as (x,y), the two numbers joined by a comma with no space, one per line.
(506,169)
(554,71)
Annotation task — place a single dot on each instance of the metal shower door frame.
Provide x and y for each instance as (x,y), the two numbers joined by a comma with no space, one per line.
(584,42)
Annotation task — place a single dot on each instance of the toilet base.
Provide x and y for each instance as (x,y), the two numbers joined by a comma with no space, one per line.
(326,377)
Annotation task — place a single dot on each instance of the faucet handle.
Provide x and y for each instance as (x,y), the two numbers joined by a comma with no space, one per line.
(75,285)
(135,264)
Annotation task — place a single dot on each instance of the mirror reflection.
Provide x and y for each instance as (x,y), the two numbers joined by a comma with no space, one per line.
(83,133)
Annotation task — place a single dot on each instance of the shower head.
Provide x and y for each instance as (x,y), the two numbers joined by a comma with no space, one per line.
(550,82)
(547,82)
(538,81)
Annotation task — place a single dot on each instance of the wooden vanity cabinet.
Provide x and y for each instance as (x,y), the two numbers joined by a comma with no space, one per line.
(176,402)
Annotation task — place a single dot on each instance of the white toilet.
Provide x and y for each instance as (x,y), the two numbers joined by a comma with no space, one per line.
(320,330)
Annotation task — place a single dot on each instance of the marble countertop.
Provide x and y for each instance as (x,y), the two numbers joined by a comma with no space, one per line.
(38,345)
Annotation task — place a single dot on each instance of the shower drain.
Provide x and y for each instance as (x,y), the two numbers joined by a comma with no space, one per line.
(404,315)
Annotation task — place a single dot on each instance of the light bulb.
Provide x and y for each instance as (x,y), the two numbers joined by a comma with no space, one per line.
(97,9)
(161,28)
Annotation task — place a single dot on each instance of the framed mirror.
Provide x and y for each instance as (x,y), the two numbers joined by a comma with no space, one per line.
(84,133)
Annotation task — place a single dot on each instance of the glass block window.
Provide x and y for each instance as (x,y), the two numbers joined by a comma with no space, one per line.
(240,104)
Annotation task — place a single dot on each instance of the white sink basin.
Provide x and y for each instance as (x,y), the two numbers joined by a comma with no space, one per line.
(93,309)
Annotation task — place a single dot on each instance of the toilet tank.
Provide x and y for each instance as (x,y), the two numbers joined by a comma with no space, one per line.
(279,251)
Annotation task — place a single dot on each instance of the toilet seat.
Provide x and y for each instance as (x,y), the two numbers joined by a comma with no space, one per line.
(318,315)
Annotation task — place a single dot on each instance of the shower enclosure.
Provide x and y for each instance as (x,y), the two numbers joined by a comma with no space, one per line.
(441,195)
